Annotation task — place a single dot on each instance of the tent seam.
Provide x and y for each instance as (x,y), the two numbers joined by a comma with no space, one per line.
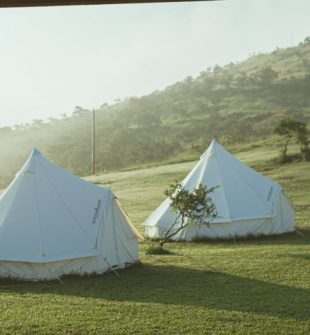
(221,182)
(114,235)
(66,206)
(245,179)
(8,212)
(37,207)
(250,187)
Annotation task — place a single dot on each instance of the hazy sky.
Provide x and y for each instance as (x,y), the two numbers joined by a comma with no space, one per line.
(53,59)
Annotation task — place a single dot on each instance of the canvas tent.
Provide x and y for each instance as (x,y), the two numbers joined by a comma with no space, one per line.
(247,202)
(53,223)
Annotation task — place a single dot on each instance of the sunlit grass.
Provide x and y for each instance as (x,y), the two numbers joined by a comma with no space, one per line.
(257,287)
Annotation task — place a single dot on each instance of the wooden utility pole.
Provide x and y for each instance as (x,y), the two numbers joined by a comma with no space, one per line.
(94,144)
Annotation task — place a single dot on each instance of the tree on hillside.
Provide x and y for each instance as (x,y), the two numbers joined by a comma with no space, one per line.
(78,110)
(302,136)
(288,128)
(307,40)
(285,128)
(191,207)
(265,76)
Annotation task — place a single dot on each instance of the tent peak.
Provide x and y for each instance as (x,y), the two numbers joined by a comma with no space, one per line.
(29,166)
(213,144)
(35,152)
(211,149)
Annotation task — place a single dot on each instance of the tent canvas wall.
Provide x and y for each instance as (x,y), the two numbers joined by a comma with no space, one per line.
(53,223)
(247,202)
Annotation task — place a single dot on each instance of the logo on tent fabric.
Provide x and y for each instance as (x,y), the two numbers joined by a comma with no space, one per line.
(270,193)
(97,210)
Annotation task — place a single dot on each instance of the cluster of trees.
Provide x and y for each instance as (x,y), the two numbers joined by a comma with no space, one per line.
(289,129)
(234,103)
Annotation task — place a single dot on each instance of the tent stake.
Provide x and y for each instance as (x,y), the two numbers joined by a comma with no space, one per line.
(299,233)
(61,282)
(113,270)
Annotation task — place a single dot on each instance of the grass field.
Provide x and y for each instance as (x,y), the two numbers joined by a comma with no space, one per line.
(258,286)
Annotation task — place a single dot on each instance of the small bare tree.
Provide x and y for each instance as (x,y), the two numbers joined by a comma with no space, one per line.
(194,207)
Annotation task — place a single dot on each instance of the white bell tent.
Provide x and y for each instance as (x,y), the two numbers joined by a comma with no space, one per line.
(247,203)
(53,223)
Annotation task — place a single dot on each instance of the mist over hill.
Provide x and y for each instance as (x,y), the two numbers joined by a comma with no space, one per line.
(235,103)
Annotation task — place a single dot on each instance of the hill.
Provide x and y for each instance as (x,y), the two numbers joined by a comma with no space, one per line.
(237,103)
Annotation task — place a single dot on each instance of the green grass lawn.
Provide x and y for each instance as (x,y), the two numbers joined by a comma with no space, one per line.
(256,286)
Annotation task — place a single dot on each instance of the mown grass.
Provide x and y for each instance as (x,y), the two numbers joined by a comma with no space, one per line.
(259,287)
(254,286)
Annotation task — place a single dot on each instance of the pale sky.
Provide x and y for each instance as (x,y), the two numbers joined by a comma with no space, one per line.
(53,59)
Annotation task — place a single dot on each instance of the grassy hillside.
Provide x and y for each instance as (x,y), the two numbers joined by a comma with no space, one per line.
(258,286)
(236,103)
